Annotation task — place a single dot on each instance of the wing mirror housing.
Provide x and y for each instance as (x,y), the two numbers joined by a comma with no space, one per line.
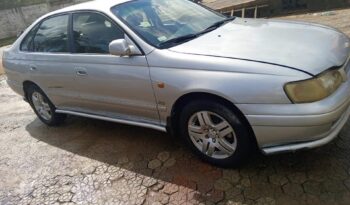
(120,47)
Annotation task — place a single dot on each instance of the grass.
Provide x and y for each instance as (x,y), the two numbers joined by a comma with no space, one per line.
(7,41)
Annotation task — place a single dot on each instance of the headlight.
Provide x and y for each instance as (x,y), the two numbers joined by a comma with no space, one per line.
(314,89)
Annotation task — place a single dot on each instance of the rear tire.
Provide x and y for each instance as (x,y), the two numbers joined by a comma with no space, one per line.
(43,107)
(216,133)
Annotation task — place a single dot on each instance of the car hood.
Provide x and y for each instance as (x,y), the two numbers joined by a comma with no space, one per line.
(308,47)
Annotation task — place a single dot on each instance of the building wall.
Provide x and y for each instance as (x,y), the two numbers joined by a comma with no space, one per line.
(290,6)
(16,19)
(281,7)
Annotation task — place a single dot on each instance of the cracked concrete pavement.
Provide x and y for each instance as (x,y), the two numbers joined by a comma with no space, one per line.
(88,161)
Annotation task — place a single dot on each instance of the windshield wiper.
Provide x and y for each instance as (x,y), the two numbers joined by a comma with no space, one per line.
(218,24)
(182,39)
(178,40)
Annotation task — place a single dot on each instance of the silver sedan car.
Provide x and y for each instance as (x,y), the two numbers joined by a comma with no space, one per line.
(225,85)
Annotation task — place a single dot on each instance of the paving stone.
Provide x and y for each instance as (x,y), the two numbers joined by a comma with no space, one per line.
(297,177)
(170,162)
(233,193)
(215,196)
(157,198)
(312,187)
(66,197)
(312,199)
(245,182)
(237,200)
(170,188)
(158,186)
(163,156)
(222,184)
(154,164)
(333,186)
(92,162)
(252,193)
(347,183)
(123,160)
(232,175)
(317,175)
(112,169)
(266,201)
(339,173)
(204,186)
(278,179)
(294,190)
(149,181)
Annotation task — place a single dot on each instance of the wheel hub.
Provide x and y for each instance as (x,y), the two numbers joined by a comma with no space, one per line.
(212,134)
(41,105)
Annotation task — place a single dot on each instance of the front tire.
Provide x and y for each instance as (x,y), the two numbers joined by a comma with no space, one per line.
(43,107)
(215,133)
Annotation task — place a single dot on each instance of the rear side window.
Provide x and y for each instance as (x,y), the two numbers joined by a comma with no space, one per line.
(93,32)
(51,36)
(27,43)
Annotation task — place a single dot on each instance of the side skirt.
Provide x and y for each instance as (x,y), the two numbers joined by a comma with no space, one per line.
(122,121)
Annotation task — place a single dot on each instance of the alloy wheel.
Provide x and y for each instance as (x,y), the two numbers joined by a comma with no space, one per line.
(41,106)
(212,135)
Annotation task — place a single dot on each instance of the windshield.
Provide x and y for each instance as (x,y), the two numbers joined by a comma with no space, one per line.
(158,21)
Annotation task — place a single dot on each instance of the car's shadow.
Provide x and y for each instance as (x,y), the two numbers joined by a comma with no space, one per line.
(134,148)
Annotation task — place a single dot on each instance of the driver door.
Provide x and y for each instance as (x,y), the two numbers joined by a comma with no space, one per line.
(112,86)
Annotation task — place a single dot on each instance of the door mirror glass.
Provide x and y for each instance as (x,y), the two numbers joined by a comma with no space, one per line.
(120,48)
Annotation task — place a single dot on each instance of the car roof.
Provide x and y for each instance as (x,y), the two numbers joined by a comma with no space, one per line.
(98,5)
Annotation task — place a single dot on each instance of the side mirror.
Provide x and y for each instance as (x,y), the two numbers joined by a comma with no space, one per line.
(120,47)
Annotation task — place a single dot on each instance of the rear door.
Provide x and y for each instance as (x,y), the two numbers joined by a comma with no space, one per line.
(109,85)
(46,53)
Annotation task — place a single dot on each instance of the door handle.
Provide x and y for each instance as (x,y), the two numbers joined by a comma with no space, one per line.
(32,68)
(81,72)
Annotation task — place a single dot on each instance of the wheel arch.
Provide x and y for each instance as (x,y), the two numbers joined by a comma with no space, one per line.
(26,85)
(172,121)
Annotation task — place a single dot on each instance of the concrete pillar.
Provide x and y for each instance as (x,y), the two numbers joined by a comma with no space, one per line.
(232,11)
(243,12)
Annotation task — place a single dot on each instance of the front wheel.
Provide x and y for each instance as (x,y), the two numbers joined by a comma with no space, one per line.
(215,133)
(43,107)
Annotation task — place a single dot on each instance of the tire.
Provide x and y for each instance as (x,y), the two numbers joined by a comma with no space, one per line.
(43,107)
(224,140)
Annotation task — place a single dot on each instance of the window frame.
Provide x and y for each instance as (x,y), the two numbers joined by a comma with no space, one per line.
(71,47)
(36,28)
(73,50)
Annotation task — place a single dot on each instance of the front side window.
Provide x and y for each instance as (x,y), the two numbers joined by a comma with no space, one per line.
(92,33)
(158,21)
(52,35)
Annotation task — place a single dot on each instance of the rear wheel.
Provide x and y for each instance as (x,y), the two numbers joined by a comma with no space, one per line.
(215,133)
(43,107)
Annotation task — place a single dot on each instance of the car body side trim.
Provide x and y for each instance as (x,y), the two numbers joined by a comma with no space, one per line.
(122,121)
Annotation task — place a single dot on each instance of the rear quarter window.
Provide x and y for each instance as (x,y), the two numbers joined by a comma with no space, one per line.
(27,42)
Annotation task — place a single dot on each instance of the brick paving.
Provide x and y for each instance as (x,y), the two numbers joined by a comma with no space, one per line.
(94,162)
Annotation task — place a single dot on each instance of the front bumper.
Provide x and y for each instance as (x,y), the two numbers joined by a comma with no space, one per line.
(291,127)
(323,138)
